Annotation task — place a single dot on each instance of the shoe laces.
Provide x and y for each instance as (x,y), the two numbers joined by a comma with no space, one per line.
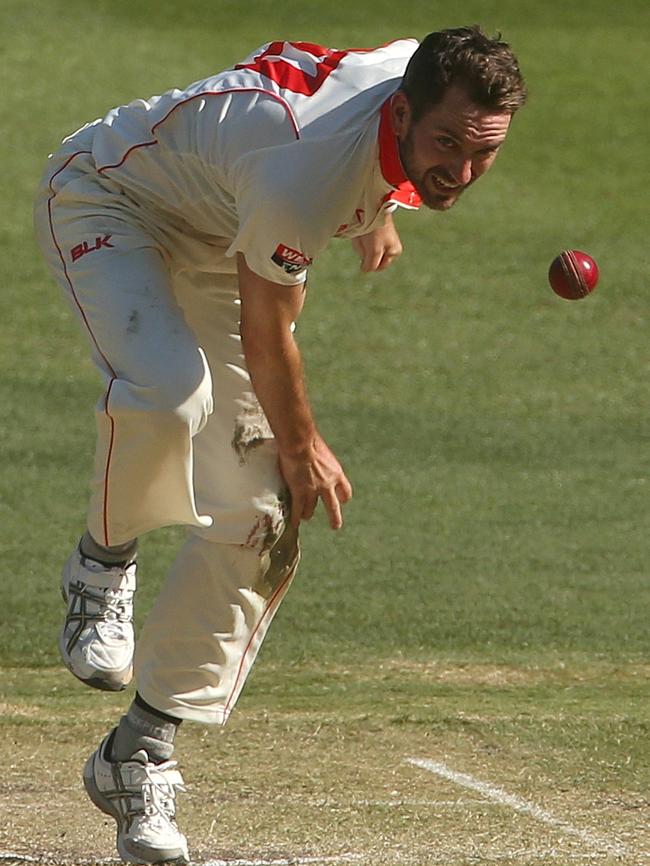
(117,605)
(114,613)
(159,793)
(113,604)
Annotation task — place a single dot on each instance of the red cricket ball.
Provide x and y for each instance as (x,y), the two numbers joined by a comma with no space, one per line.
(573,274)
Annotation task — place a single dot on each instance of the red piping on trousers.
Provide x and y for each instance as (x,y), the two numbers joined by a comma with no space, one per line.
(92,337)
(202,95)
(108,459)
(268,609)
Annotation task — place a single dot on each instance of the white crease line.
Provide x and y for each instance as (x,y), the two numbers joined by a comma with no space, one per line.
(500,858)
(49,858)
(287,861)
(283,861)
(517,858)
(516,803)
(60,861)
(23,858)
(397,802)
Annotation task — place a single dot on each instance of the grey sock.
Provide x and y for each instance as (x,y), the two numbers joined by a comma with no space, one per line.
(118,554)
(142,729)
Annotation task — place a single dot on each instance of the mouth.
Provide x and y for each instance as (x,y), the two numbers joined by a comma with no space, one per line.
(444,186)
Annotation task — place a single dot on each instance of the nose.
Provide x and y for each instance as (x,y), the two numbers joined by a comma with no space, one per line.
(462,171)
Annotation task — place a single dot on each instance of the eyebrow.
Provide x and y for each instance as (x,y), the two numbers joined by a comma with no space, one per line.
(450,134)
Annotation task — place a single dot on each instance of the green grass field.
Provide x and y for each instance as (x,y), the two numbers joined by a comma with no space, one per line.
(486,606)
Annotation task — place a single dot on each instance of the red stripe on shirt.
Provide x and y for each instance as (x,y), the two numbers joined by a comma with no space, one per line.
(202,95)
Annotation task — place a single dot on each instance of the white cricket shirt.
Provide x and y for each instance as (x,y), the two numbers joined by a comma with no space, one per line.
(279,154)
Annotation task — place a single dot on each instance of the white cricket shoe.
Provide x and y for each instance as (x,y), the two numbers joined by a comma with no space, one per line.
(140,796)
(97,639)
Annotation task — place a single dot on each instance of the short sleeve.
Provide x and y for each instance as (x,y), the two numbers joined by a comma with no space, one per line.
(281,230)
(291,201)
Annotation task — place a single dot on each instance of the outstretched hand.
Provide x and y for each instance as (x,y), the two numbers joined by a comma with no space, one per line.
(312,475)
(379,248)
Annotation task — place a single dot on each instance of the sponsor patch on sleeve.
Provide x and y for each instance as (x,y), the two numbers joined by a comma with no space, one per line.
(290,260)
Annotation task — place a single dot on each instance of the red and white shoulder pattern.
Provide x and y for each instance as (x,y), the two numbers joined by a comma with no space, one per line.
(291,154)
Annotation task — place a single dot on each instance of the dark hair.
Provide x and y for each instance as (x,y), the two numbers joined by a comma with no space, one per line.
(486,68)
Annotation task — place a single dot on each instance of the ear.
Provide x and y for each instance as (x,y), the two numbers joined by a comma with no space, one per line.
(400,113)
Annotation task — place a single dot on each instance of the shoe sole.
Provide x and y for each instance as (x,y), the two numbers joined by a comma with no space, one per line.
(104,806)
(121,678)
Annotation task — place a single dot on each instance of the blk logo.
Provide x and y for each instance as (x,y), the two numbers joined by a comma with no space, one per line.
(85,247)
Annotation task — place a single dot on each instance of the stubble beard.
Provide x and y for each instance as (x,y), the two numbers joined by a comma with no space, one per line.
(433,200)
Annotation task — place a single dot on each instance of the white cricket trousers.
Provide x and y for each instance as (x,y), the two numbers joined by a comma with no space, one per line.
(181,437)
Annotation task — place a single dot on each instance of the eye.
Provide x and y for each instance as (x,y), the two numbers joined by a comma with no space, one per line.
(446,142)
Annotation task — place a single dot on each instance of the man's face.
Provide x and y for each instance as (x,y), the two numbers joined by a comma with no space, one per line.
(449,147)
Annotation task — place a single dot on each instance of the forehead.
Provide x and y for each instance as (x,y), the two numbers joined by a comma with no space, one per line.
(458,116)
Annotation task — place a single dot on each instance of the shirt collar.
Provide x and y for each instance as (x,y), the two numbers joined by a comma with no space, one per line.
(390,163)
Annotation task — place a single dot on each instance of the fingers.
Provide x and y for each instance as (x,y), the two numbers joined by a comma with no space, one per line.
(378,248)
(371,260)
(372,254)
(333,508)
(304,506)
(379,259)
(389,257)
(309,507)
(344,491)
(333,498)
(317,475)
